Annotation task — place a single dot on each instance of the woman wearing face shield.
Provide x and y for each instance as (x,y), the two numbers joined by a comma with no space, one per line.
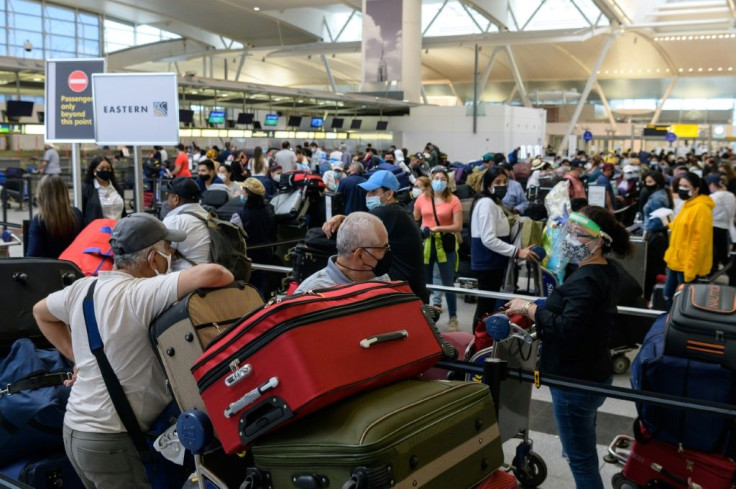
(574,327)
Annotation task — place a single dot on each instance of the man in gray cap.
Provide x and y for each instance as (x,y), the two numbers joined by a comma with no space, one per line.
(126,300)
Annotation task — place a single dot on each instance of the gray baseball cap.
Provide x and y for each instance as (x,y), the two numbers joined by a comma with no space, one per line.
(139,231)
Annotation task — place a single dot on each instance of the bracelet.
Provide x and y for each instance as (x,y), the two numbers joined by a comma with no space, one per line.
(525,309)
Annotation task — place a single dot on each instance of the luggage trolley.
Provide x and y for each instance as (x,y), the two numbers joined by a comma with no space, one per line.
(519,350)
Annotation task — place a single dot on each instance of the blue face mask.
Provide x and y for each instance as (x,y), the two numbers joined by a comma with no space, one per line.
(439,186)
(373,201)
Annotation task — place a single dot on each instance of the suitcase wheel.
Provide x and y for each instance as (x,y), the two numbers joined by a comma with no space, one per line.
(532,472)
(621,364)
(619,481)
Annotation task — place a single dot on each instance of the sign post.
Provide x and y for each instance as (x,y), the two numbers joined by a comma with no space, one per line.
(136,109)
(69,115)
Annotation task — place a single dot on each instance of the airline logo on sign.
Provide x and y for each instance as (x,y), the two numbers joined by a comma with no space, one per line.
(78,81)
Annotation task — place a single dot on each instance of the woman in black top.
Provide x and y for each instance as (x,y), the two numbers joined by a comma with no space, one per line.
(258,219)
(574,326)
(102,196)
(57,223)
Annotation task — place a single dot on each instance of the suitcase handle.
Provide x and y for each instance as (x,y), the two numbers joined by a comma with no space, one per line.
(383,338)
(250,397)
(263,418)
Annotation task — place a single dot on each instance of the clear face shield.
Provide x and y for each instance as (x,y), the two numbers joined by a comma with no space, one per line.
(580,238)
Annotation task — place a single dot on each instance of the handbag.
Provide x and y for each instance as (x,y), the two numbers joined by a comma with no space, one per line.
(161,472)
(448,239)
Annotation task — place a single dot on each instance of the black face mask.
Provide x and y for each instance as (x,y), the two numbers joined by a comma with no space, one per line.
(204,177)
(103,175)
(500,191)
(382,266)
(683,194)
(651,187)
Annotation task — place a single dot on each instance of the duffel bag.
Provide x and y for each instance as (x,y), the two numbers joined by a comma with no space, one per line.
(32,401)
(654,371)
(91,250)
(702,324)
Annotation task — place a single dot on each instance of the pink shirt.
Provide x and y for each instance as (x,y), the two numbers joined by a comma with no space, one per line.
(445,210)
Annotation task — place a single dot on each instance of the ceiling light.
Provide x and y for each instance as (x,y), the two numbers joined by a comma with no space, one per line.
(36,78)
(710,69)
(689,38)
(700,69)
(658,70)
(689,70)
(257,9)
(720,68)
(667,70)
(680,70)
(606,72)
(730,68)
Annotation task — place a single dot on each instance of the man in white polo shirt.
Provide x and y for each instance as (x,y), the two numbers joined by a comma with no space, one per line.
(126,300)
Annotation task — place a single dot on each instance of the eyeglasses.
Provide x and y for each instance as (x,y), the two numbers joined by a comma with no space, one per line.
(385,248)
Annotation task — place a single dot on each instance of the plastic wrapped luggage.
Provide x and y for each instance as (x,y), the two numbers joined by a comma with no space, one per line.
(91,250)
(25,281)
(297,355)
(677,468)
(181,333)
(702,324)
(42,472)
(411,434)
(311,256)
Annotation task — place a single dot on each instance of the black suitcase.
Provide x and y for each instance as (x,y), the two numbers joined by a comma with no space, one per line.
(47,472)
(702,324)
(23,282)
(311,255)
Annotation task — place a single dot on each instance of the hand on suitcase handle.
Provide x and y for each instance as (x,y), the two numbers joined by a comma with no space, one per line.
(250,397)
(382,338)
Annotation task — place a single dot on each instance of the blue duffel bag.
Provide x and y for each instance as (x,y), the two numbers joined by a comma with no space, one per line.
(654,371)
(32,401)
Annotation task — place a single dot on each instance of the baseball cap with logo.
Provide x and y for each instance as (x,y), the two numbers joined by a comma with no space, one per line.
(139,231)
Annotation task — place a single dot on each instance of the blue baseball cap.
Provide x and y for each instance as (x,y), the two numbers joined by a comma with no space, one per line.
(381,178)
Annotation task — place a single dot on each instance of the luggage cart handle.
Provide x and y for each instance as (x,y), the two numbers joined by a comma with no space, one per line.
(383,338)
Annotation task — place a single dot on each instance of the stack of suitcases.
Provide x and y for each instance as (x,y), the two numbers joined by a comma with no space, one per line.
(690,352)
(317,390)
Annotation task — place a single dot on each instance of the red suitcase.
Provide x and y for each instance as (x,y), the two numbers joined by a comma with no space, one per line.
(499,480)
(656,460)
(302,353)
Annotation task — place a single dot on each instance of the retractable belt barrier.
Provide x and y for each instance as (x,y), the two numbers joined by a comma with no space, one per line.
(495,370)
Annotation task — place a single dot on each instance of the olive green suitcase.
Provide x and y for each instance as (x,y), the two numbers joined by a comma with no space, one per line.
(411,434)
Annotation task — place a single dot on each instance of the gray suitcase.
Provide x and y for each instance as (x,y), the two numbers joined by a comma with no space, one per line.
(181,333)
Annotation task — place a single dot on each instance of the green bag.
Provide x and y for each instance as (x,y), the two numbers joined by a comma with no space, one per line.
(411,434)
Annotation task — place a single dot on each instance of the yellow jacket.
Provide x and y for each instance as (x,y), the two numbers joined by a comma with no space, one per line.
(691,239)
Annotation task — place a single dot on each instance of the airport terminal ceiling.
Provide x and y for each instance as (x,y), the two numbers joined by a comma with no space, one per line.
(315,44)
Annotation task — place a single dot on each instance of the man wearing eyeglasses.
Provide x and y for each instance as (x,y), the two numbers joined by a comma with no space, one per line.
(363,253)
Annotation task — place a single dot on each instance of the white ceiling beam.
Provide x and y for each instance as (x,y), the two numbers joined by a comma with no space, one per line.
(307,20)
(613,11)
(475,5)
(517,76)
(164,51)
(670,87)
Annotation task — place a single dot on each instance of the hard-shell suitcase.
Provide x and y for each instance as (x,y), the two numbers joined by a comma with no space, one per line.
(181,333)
(289,205)
(23,282)
(411,434)
(702,324)
(50,471)
(677,467)
(310,350)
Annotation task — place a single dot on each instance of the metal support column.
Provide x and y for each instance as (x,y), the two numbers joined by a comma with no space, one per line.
(604,100)
(667,93)
(138,180)
(517,77)
(329,73)
(586,91)
(76,176)
(483,81)
(240,66)
(475,92)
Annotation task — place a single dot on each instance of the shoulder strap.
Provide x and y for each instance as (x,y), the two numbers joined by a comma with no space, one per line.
(117,394)
(434,210)
(36,382)
(190,213)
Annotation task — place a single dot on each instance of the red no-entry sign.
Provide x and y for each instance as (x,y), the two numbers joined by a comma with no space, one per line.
(78,81)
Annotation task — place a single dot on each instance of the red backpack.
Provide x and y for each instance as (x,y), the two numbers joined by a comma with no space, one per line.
(91,250)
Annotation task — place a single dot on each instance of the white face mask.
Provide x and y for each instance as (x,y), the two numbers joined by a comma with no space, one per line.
(168,263)
(416,192)
(223,176)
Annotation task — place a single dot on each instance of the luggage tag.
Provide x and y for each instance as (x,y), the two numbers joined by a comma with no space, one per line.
(168,445)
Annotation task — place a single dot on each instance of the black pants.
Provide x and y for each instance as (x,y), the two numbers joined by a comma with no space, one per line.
(490,280)
(720,247)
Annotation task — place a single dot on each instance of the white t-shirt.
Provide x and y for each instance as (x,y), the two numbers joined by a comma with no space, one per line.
(286,158)
(110,200)
(196,246)
(725,209)
(124,308)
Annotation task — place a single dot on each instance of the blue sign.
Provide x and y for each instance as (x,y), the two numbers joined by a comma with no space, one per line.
(587,136)
(671,137)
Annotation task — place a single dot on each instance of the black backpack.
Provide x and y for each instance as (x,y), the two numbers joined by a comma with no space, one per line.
(227,245)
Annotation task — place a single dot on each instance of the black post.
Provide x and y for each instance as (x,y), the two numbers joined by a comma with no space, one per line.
(494,371)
